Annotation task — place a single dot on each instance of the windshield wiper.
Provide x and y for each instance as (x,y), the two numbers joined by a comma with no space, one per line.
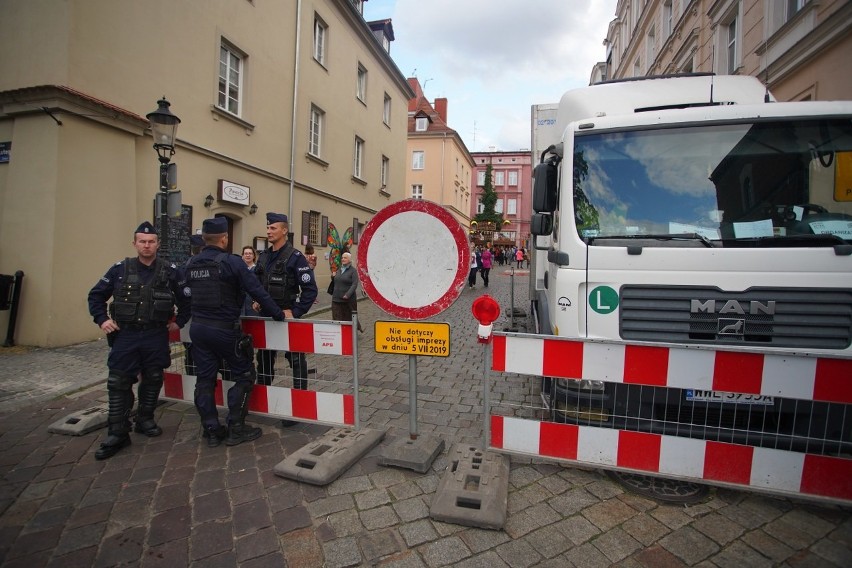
(661,237)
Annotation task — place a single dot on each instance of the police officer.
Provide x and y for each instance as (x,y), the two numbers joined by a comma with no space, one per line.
(144,292)
(286,275)
(218,282)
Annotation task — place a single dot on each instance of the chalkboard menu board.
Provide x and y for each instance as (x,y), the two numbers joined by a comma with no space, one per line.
(176,246)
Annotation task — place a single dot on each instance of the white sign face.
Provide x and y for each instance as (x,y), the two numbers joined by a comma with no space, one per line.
(413,259)
(234,192)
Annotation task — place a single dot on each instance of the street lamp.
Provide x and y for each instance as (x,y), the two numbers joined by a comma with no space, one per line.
(164,129)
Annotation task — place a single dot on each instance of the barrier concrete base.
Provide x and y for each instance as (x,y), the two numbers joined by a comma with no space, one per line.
(324,460)
(474,490)
(81,422)
(412,454)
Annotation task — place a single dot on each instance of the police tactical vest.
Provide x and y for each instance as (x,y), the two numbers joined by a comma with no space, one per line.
(280,284)
(203,276)
(138,303)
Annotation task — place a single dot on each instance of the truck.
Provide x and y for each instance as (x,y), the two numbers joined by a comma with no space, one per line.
(696,210)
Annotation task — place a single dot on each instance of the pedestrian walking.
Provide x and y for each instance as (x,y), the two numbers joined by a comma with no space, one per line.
(285,273)
(144,292)
(218,282)
(485,258)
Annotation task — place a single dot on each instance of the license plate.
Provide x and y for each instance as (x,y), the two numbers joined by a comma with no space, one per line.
(729,397)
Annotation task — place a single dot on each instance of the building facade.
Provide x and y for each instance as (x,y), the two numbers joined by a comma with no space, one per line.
(439,163)
(796,47)
(294,107)
(511,179)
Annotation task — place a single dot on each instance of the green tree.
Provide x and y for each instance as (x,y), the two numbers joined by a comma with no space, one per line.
(488,200)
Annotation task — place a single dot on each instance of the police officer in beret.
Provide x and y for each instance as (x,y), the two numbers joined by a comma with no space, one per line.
(286,275)
(218,282)
(144,291)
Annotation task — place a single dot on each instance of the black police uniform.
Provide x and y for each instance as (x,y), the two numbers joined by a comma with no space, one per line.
(288,278)
(218,282)
(143,302)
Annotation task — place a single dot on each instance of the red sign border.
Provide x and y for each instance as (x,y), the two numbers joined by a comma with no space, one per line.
(462,267)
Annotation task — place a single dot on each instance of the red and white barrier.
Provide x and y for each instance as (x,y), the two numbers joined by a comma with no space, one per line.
(278,402)
(800,377)
(300,336)
(721,463)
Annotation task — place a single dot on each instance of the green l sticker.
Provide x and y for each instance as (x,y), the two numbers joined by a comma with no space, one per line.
(603,299)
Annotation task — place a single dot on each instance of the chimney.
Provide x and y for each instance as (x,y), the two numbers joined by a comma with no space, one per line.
(441,108)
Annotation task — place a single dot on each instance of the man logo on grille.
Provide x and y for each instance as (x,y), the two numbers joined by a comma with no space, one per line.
(731,326)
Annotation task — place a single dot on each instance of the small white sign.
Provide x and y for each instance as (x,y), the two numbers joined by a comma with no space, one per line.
(234,192)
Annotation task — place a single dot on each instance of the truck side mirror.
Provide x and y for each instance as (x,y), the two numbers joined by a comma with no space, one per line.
(545,187)
(541,224)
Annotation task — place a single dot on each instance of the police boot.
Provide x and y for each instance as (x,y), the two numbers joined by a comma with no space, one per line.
(149,393)
(214,434)
(120,397)
(238,430)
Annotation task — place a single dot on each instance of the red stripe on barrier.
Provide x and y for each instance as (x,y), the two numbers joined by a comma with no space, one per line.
(728,462)
(833,380)
(639,450)
(645,365)
(346,336)
(257,329)
(563,359)
(259,399)
(496,432)
(301,336)
(738,372)
(348,409)
(174,336)
(558,440)
(219,393)
(173,385)
(304,404)
(498,353)
(827,476)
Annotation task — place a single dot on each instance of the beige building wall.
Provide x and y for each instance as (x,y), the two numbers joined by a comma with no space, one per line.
(82,177)
(445,177)
(796,51)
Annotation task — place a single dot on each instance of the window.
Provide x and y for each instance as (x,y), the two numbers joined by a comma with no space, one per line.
(512,207)
(230,78)
(499,178)
(314,220)
(668,18)
(651,46)
(320,32)
(386,110)
(361,86)
(421,123)
(513,178)
(418,160)
(793,7)
(385,170)
(637,68)
(358,158)
(731,51)
(480,177)
(315,141)
(417,191)
(498,206)
(359,5)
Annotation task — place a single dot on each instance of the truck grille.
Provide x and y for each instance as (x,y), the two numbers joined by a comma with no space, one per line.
(802,318)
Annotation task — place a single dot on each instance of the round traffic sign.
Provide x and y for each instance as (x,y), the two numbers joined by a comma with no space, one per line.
(413,259)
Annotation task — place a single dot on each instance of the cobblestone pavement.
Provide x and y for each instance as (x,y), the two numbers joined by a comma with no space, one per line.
(171,501)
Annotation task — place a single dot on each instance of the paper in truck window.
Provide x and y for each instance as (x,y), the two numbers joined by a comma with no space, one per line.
(753,229)
(841,228)
(683,228)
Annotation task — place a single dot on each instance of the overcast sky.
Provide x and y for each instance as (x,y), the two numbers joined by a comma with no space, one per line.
(493,59)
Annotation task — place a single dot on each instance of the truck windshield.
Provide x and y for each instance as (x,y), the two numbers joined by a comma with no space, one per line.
(774,180)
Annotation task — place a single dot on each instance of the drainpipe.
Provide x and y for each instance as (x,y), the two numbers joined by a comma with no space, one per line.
(293,123)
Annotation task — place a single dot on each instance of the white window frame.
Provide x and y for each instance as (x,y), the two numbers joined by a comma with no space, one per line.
(480,178)
(315,131)
(383,175)
(498,205)
(230,79)
(727,17)
(668,18)
(499,178)
(418,160)
(320,39)
(361,84)
(513,178)
(314,223)
(417,191)
(358,158)
(421,123)
(511,206)
(386,110)
(651,45)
